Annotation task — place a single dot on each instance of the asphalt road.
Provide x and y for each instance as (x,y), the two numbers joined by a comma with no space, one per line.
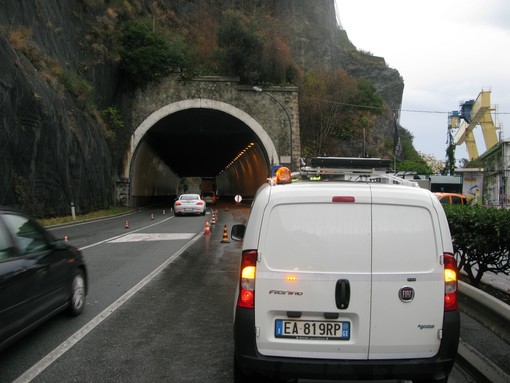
(159,306)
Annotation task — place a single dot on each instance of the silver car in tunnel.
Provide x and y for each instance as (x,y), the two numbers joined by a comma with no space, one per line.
(189,204)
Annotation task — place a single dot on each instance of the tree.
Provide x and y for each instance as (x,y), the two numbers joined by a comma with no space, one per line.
(276,64)
(449,167)
(255,49)
(147,56)
(435,165)
(240,46)
(336,110)
(419,167)
(481,239)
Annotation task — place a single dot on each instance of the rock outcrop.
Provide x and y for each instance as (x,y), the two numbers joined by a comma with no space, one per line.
(54,149)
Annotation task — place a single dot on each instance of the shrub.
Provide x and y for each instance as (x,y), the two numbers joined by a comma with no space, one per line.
(240,46)
(80,88)
(114,122)
(481,239)
(20,38)
(146,56)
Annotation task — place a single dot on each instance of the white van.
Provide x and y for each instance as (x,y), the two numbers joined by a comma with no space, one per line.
(345,280)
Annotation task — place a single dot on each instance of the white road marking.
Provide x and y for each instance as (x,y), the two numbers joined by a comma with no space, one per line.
(123,235)
(45,362)
(139,237)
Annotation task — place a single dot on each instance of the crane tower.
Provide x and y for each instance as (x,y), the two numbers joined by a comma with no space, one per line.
(474,113)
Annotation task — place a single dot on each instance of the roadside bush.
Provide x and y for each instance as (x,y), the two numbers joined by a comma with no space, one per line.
(147,56)
(481,239)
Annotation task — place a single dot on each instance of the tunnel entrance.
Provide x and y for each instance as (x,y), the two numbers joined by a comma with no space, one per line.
(198,138)
(199,142)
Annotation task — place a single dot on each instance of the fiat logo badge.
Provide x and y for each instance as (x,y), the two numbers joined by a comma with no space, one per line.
(406,294)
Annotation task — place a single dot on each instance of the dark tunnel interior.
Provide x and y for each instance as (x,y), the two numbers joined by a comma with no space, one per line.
(199,142)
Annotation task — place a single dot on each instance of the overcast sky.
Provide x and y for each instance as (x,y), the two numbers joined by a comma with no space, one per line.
(446,51)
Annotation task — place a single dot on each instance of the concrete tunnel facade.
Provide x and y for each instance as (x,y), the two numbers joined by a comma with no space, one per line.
(150,176)
(252,128)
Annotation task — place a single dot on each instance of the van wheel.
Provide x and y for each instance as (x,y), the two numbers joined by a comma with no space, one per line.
(77,299)
(240,376)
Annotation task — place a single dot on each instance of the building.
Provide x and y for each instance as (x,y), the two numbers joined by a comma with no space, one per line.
(492,179)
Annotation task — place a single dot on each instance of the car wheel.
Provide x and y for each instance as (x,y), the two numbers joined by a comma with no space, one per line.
(78,289)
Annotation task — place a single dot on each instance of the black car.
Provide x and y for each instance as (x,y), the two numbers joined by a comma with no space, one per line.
(39,276)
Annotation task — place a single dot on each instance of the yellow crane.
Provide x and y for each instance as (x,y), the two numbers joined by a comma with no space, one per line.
(474,113)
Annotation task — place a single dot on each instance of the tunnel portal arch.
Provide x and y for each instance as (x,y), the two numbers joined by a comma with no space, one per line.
(199,103)
(256,165)
(164,110)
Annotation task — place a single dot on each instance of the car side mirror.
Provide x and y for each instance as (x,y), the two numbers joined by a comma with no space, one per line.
(237,232)
(60,244)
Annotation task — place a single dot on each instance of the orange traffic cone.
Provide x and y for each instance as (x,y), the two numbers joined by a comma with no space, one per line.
(152,215)
(225,235)
(213,219)
(126,225)
(207,227)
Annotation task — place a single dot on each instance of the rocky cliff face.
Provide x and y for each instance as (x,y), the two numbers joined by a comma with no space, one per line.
(54,151)
(53,148)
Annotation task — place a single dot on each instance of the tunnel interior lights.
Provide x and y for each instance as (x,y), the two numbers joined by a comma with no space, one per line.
(241,153)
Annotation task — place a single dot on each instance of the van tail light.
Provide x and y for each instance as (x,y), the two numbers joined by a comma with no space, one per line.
(450,283)
(246,296)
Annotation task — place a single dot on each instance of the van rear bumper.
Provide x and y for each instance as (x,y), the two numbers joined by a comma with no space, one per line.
(251,362)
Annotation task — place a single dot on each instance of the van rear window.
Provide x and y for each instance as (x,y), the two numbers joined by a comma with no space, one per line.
(317,237)
(338,238)
(403,239)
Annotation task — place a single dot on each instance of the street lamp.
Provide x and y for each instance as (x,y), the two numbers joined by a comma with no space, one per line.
(257,89)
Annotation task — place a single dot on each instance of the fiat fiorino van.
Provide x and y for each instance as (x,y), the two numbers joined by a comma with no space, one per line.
(345,280)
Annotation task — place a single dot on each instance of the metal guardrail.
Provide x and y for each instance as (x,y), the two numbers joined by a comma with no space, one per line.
(480,364)
(488,301)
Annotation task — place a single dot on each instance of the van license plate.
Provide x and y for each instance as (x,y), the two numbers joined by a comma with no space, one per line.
(324,330)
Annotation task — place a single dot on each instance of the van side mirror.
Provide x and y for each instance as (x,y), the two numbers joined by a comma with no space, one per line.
(237,232)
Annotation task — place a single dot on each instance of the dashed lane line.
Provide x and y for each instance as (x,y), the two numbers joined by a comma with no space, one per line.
(44,363)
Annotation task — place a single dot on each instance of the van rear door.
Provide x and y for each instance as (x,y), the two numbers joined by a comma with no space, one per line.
(408,282)
(313,278)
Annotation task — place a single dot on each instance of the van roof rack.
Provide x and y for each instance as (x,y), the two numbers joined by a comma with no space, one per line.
(352,169)
(350,162)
